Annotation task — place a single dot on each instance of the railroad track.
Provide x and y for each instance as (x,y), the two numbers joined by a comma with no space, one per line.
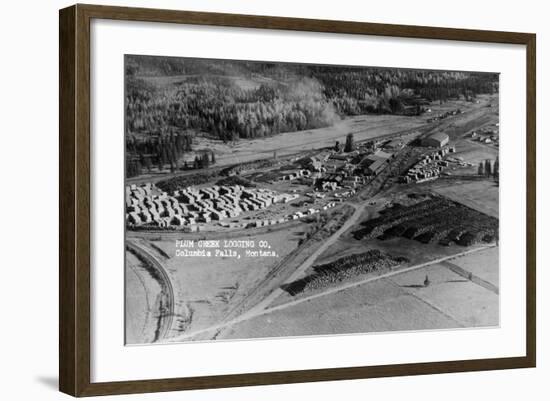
(269,286)
(167,318)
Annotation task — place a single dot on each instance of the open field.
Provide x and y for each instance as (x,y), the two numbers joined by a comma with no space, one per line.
(210,286)
(473,152)
(483,264)
(142,297)
(399,302)
(479,195)
(385,308)
(364,128)
(475,115)
(467,303)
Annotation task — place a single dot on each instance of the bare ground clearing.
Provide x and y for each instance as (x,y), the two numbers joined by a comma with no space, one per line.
(211,285)
(401,302)
(479,195)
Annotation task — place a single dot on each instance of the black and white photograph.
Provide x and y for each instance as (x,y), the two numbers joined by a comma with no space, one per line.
(263,201)
(267,199)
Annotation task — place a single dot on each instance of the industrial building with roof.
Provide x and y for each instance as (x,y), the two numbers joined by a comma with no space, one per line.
(436,140)
(375,162)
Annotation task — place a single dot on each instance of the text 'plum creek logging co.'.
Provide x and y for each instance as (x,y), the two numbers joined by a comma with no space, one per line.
(223,248)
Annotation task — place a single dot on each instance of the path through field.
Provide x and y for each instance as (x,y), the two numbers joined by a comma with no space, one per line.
(257,311)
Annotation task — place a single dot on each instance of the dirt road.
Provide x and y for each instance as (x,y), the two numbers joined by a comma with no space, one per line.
(308,262)
(332,290)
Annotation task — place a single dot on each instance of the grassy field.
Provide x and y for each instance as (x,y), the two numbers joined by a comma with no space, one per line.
(484,264)
(401,302)
(467,303)
(473,152)
(375,307)
(363,127)
(479,195)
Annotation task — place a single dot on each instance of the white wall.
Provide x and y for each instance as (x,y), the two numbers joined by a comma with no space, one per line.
(28,171)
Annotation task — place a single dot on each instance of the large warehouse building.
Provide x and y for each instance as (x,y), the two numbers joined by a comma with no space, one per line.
(436,140)
(375,163)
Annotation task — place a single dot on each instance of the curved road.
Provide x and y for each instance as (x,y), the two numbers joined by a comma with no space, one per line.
(165,317)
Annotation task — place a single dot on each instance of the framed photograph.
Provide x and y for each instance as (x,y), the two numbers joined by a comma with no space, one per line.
(250,200)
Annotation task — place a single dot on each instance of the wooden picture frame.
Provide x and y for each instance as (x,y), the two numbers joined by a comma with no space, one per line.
(74,199)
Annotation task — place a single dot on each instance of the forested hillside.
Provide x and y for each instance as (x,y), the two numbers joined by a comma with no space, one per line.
(169,99)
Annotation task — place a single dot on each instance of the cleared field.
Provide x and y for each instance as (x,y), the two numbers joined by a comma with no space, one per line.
(142,296)
(210,286)
(484,264)
(475,120)
(363,127)
(464,301)
(472,152)
(479,195)
(401,302)
(374,307)
(475,115)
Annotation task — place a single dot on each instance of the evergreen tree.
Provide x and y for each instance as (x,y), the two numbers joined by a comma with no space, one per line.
(488,170)
(495,170)
(481,169)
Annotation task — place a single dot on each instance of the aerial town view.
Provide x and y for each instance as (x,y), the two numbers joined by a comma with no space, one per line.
(269,199)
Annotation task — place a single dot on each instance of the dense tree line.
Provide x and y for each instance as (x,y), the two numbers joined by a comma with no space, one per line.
(489,170)
(157,150)
(376,90)
(228,112)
